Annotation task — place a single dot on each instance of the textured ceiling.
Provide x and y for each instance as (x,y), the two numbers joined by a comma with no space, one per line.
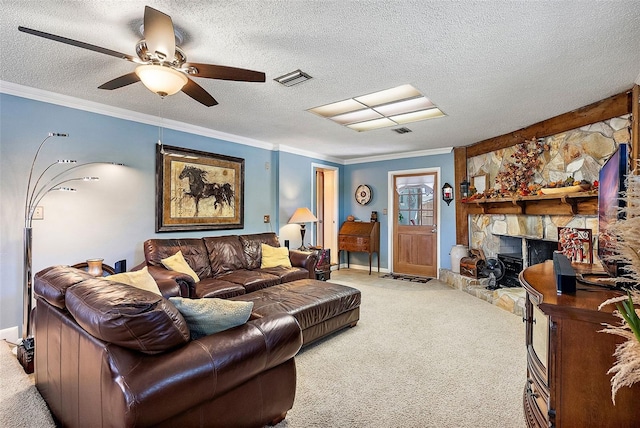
(491,66)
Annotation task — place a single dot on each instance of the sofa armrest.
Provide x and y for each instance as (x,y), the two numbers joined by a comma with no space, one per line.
(304,259)
(207,367)
(170,282)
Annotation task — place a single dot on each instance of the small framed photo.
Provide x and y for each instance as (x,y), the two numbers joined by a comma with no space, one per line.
(480,182)
(576,244)
(198,190)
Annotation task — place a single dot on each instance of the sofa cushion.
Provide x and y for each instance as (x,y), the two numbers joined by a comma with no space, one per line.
(286,274)
(54,281)
(179,264)
(225,254)
(193,250)
(210,287)
(252,248)
(141,279)
(274,256)
(127,316)
(209,316)
(251,280)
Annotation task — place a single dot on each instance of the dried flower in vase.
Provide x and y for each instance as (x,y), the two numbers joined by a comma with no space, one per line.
(626,370)
(626,250)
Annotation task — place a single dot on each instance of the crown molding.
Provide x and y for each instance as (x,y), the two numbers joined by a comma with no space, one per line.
(120,113)
(22,91)
(300,152)
(394,156)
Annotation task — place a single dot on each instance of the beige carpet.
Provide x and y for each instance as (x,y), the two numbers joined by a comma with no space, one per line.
(422,355)
(20,403)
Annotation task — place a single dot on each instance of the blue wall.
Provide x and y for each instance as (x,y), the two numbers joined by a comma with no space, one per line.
(376,175)
(111,218)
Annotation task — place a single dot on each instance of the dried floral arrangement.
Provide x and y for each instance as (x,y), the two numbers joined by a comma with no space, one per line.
(518,174)
(516,177)
(626,249)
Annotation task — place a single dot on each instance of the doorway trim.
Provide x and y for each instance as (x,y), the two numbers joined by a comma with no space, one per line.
(390,219)
(336,199)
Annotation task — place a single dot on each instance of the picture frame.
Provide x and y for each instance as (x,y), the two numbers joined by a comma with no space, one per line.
(197,190)
(576,244)
(480,182)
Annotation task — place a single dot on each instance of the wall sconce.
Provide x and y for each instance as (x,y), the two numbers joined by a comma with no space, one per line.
(447,193)
(464,188)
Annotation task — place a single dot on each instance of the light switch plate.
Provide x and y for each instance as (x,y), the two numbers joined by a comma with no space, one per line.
(38,213)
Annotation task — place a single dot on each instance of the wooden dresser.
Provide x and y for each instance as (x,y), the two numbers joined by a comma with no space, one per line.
(359,236)
(568,359)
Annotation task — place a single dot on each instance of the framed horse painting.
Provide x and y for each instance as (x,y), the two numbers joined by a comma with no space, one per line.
(198,190)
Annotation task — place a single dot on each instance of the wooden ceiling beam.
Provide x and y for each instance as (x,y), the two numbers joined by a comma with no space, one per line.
(608,108)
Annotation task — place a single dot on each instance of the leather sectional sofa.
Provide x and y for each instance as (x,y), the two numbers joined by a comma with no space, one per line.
(108,354)
(227,266)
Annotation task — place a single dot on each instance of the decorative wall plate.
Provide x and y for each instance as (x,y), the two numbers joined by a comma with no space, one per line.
(363,194)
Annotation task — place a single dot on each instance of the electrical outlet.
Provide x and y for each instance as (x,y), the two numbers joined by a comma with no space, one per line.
(267,218)
(38,213)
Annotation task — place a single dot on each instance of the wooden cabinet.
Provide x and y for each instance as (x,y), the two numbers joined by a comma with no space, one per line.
(359,236)
(568,359)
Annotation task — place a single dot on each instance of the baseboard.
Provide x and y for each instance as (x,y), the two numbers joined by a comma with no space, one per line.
(364,267)
(10,334)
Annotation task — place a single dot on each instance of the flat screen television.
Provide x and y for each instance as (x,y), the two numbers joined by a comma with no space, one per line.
(611,183)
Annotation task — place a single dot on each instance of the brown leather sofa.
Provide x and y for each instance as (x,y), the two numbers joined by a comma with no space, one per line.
(227,266)
(110,355)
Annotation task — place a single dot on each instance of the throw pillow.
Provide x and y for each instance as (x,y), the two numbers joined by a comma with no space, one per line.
(141,279)
(179,264)
(274,256)
(211,315)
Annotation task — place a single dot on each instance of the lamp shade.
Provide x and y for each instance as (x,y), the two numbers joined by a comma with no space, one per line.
(161,80)
(303,215)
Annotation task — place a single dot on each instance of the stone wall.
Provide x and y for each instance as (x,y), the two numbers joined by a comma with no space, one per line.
(587,147)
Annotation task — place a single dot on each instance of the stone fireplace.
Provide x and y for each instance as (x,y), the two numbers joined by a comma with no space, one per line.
(581,151)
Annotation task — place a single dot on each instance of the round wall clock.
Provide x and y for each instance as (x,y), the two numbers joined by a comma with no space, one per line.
(363,194)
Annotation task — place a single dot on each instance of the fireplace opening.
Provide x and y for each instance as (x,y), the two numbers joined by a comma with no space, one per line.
(538,251)
(517,253)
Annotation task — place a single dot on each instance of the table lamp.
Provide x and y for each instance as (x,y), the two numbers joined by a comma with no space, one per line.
(302,216)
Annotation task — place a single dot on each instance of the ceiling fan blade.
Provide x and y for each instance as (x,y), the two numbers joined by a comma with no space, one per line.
(121,81)
(198,93)
(78,44)
(158,33)
(224,73)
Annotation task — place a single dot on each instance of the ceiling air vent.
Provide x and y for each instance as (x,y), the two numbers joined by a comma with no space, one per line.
(293,78)
(403,130)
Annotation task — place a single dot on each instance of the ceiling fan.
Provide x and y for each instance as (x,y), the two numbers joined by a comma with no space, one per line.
(163,66)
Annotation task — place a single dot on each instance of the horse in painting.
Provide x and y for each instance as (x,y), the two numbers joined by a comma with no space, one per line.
(200,189)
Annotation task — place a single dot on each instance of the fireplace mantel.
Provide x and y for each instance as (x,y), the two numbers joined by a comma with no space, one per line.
(580,203)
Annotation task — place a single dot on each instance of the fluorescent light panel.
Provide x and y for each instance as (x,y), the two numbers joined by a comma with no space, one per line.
(372,124)
(389,95)
(399,105)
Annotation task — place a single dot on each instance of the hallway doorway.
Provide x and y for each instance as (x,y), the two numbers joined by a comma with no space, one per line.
(325,179)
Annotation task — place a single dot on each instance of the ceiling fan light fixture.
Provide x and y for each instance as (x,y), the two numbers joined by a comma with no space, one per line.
(161,80)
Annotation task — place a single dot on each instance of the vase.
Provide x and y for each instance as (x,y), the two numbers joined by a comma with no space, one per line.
(457,253)
(94,267)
